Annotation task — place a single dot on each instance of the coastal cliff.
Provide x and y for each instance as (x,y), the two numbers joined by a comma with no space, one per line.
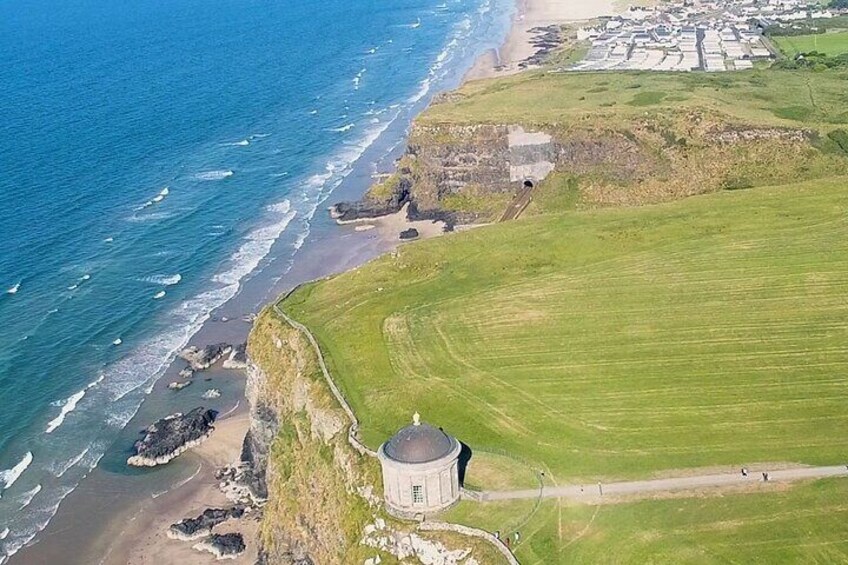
(317,487)
(322,497)
(584,145)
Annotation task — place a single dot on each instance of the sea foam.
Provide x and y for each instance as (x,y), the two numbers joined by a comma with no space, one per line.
(67,406)
(165,280)
(27,497)
(9,476)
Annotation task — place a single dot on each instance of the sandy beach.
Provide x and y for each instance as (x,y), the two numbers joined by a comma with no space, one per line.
(531,14)
(140,539)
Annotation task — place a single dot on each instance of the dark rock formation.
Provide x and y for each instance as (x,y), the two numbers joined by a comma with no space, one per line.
(223,546)
(171,436)
(371,207)
(202,359)
(194,528)
(264,426)
(237,358)
(411,233)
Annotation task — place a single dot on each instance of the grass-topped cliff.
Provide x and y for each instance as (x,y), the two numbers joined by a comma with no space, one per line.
(621,139)
(612,343)
(323,495)
(617,343)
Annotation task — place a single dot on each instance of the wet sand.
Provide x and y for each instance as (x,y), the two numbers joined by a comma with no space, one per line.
(142,539)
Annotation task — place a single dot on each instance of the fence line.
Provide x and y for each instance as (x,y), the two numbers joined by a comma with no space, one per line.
(353,429)
(357,444)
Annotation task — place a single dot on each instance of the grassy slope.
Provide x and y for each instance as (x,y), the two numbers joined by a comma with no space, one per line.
(759,97)
(612,343)
(827,43)
(634,138)
(802,524)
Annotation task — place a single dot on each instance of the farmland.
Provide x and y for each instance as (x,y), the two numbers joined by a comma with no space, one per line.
(828,43)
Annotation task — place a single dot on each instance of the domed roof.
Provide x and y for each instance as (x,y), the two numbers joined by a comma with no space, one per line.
(419,443)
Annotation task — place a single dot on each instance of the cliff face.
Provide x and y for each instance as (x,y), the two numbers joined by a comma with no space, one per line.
(318,489)
(322,503)
(466,173)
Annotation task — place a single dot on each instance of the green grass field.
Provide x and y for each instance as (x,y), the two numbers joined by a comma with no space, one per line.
(828,43)
(614,343)
(804,524)
(766,97)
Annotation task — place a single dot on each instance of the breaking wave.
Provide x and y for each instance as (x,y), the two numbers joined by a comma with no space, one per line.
(27,497)
(67,406)
(165,280)
(10,476)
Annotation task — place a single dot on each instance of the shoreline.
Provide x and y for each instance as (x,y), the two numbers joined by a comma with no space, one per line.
(143,540)
(518,46)
(132,528)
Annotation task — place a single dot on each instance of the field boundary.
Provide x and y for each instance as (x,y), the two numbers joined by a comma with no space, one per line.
(357,444)
(353,429)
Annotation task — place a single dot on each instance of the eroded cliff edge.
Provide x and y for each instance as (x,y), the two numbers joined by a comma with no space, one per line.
(471,153)
(323,502)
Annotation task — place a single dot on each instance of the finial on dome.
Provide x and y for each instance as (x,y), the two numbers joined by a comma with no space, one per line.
(416,419)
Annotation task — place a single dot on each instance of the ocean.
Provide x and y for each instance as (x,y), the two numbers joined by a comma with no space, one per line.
(154,158)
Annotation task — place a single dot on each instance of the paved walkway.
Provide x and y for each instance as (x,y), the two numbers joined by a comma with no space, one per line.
(593,491)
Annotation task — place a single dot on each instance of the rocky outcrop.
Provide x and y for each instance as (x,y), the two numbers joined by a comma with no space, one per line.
(194,528)
(237,358)
(200,359)
(211,393)
(223,546)
(179,385)
(407,545)
(373,206)
(171,436)
(468,173)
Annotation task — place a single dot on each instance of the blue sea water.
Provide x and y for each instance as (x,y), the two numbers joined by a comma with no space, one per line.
(151,153)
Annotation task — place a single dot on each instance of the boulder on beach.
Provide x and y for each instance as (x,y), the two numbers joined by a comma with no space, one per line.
(178,385)
(237,358)
(201,359)
(411,233)
(191,529)
(171,436)
(186,373)
(211,393)
(223,546)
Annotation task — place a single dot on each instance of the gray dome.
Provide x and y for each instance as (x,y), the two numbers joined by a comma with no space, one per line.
(420,443)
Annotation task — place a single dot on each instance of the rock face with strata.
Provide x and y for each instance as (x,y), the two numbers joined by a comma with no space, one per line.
(191,529)
(201,359)
(223,546)
(169,437)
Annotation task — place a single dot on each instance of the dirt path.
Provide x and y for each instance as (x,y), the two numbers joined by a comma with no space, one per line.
(596,491)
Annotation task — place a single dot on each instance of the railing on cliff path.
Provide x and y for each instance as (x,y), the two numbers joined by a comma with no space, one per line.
(353,430)
(356,443)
